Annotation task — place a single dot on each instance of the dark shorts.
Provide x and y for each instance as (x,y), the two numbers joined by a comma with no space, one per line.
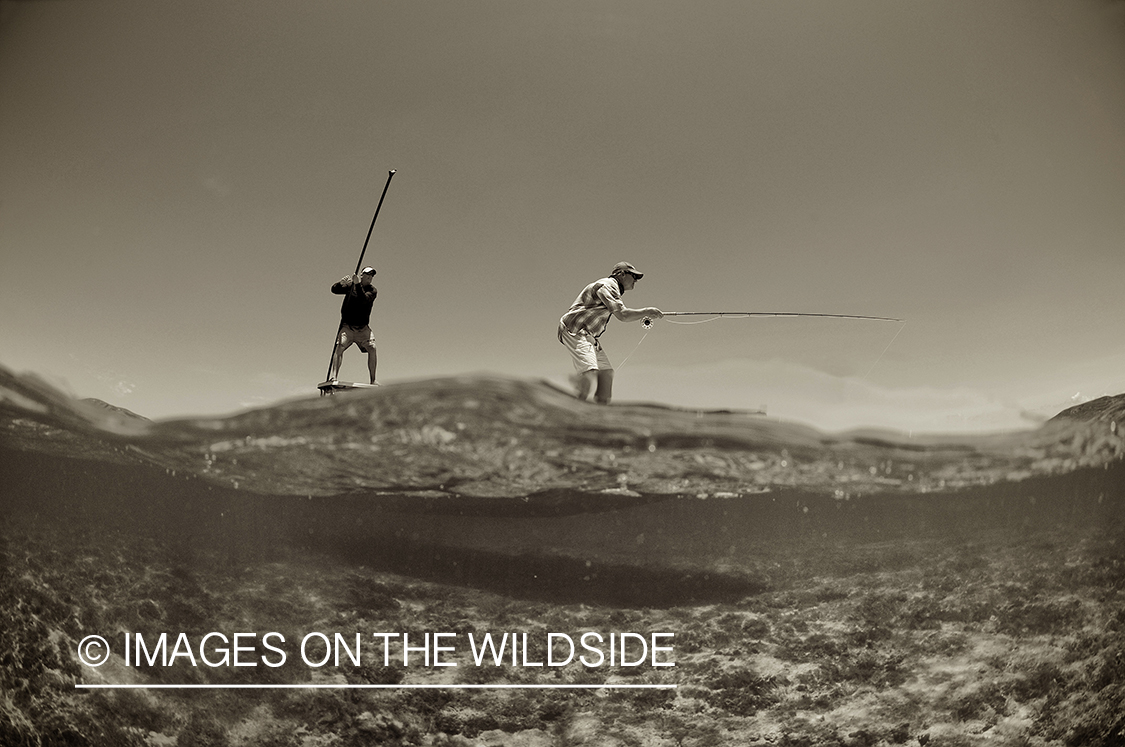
(361,336)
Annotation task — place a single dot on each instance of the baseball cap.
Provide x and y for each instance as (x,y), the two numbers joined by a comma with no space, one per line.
(622,267)
(368,271)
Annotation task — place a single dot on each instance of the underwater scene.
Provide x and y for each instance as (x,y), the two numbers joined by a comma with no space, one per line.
(488,561)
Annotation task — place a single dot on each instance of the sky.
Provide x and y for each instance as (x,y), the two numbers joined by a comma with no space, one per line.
(181,184)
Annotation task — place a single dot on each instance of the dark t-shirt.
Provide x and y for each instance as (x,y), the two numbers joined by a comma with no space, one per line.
(355,311)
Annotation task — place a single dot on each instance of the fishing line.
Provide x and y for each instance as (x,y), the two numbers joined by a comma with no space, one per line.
(892,342)
(622,364)
(670,321)
(647,323)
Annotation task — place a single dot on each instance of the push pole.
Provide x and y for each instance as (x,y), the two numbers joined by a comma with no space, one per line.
(359,264)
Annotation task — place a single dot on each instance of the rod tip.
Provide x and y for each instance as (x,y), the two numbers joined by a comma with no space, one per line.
(394,171)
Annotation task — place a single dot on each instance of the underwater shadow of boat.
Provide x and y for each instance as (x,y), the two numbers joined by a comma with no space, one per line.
(550,578)
(192,519)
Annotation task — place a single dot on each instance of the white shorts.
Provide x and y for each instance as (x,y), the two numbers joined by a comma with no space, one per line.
(585,351)
(362,337)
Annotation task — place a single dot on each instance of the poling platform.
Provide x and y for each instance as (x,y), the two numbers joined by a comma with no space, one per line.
(331,387)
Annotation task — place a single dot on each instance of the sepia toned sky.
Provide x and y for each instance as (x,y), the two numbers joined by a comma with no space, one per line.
(180,184)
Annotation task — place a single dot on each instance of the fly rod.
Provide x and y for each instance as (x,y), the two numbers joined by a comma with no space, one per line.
(647,321)
(359,264)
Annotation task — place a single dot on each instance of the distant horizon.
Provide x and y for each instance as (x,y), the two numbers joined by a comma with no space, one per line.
(987,420)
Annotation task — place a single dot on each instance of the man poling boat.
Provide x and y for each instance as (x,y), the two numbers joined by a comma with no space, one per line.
(355,312)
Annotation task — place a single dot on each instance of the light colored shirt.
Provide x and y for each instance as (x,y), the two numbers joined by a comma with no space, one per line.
(591,310)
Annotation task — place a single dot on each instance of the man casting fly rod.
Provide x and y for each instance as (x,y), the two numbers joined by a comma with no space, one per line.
(583,324)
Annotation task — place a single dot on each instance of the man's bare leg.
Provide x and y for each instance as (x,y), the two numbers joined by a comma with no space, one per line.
(605,386)
(372,363)
(586,381)
(337,361)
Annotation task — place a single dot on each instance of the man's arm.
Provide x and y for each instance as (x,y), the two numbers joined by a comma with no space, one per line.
(341,286)
(614,303)
(635,315)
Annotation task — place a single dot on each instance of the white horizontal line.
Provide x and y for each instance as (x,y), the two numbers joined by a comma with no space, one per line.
(325,686)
